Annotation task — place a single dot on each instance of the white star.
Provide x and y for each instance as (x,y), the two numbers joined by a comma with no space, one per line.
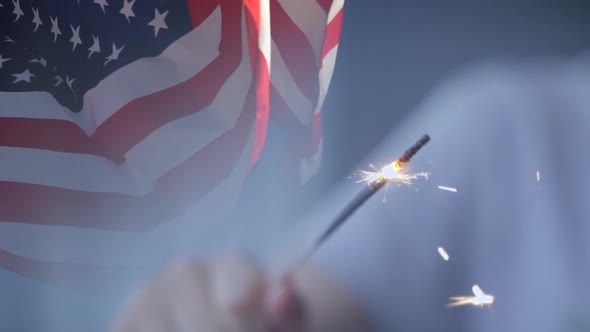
(54,28)
(17,10)
(25,76)
(2,60)
(58,79)
(127,9)
(75,37)
(36,18)
(115,54)
(69,82)
(101,3)
(41,61)
(95,48)
(159,21)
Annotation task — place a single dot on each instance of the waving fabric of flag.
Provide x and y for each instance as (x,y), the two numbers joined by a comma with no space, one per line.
(119,117)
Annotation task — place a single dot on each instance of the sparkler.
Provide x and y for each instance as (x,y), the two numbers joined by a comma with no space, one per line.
(375,180)
(392,172)
(480,298)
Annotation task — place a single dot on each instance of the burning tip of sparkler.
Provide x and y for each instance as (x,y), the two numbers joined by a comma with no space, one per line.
(480,299)
(393,171)
(443,253)
(389,172)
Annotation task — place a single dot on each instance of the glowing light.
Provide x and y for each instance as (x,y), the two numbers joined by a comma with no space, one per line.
(451,189)
(480,299)
(538,176)
(389,172)
(442,252)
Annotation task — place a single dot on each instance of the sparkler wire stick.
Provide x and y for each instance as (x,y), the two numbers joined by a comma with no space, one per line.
(360,199)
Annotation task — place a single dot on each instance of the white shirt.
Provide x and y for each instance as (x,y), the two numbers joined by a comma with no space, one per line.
(524,240)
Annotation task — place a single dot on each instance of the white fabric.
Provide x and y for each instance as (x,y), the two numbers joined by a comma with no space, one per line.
(525,241)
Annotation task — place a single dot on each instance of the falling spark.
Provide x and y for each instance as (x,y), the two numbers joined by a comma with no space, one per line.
(443,253)
(538,176)
(480,299)
(451,189)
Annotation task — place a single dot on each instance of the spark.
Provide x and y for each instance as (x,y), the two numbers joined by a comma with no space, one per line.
(480,299)
(390,173)
(451,189)
(538,176)
(443,253)
(393,171)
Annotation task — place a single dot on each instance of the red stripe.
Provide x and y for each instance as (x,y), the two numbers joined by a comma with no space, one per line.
(207,161)
(296,51)
(263,109)
(262,78)
(200,10)
(57,135)
(67,274)
(172,194)
(325,4)
(139,118)
(284,117)
(305,141)
(332,33)
(142,116)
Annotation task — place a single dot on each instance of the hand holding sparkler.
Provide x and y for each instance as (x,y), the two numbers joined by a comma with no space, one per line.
(235,293)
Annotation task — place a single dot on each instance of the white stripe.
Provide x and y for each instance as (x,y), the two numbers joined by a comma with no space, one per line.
(176,141)
(26,105)
(181,60)
(310,17)
(199,230)
(67,170)
(282,80)
(328,64)
(157,154)
(264,37)
(337,6)
(310,165)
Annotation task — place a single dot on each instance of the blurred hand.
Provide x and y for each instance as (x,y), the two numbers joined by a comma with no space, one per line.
(234,294)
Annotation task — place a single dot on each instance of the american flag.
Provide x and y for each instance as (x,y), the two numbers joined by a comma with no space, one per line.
(118,118)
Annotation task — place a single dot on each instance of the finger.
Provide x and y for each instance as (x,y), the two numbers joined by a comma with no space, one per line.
(177,301)
(284,307)
(187,296)
(329,307)
(238,287)
(144,313)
